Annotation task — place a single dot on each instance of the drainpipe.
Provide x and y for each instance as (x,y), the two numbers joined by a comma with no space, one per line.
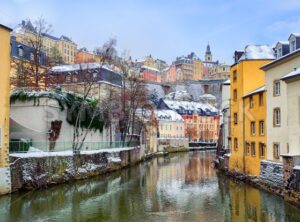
(243,140)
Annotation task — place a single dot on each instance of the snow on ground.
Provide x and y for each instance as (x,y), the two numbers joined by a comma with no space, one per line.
(39,153)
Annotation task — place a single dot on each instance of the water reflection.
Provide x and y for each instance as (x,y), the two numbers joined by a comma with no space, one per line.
(181,187)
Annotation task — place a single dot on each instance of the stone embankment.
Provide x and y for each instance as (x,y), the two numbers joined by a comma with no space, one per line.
(281,179)
(40,170)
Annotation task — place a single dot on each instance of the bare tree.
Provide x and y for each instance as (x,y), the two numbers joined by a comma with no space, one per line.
(34,38)
(89,81)
(134,96)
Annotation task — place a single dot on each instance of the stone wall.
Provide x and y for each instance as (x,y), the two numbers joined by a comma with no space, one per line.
(37,172)
(271,173)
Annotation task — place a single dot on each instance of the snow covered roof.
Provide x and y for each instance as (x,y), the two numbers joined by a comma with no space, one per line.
(260,89)
(76,67)
(292,74)
(168,115)
(283,42)
(207,96)
(227,82)
(179,95)
(294,34)
(195,107)
(270,64)
(254,52)
(150,68)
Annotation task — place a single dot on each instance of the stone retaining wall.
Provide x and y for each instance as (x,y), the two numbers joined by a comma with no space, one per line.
(272,173)
(36,172)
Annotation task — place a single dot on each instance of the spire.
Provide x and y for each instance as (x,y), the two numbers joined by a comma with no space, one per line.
(208,52)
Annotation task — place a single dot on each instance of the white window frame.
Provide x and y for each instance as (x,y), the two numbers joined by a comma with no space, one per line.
(276,88)
(277,117)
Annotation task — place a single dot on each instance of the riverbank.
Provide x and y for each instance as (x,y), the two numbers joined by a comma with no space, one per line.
(42,169)
(271,180)
(34,170)
(184,186)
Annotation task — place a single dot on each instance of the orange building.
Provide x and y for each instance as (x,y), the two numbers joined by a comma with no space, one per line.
(201,128)
(86,57)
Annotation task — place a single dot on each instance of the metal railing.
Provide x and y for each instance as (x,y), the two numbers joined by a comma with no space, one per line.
(48,146)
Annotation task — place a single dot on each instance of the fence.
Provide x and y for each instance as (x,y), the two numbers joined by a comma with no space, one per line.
(47,146)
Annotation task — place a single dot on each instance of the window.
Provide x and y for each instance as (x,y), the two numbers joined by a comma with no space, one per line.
(261,128)
(251,103)
(31,56)
(261,149)
(276,117)
(247,148)
(276,86)
(234,75)
(235,118)
(21,52)
(253,128)
(293,45)
(234,95)
(235,144)
(279,52)
(276,152)
(253,151)
(261,99)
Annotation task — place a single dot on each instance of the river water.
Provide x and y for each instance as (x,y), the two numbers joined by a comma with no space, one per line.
(180,187)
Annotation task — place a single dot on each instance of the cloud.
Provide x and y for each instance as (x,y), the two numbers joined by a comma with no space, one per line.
(285,26)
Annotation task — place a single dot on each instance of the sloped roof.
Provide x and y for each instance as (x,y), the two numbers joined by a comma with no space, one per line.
(190,106)
(168,115)
(257,52)
(292,74)
(258,90)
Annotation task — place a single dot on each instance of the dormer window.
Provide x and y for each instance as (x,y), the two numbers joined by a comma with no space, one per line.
(293,45)
(279,52)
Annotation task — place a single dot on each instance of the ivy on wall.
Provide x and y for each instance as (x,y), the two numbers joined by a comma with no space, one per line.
(74,103)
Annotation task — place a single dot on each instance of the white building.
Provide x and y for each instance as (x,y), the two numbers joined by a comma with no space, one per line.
(292,81)
(225,109)
(288,58)
(34,122)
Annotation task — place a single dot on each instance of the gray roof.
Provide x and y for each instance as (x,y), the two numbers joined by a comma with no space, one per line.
(258,90)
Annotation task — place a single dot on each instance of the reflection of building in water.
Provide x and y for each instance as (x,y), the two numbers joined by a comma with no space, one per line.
(248,204)
(199,169)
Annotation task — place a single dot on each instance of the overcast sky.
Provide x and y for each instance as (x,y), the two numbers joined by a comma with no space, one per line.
(163,28)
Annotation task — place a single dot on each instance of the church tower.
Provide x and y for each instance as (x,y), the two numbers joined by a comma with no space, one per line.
(208,55)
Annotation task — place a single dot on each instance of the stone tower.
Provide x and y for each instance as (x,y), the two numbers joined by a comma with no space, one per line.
(208,55)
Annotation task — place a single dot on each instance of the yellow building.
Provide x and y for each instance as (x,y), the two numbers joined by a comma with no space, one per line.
(65,46)
(245,76)
(4,108)
(255,130)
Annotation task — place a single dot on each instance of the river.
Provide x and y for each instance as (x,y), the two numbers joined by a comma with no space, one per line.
(180,187)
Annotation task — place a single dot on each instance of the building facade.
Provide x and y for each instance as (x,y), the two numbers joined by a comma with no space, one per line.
(149,74)
(245,76)
(277,108)
(23,65)
(201,121)
(5,181)
(292,81)
(225,119)
(255,130)
(83,56)
(64,45)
